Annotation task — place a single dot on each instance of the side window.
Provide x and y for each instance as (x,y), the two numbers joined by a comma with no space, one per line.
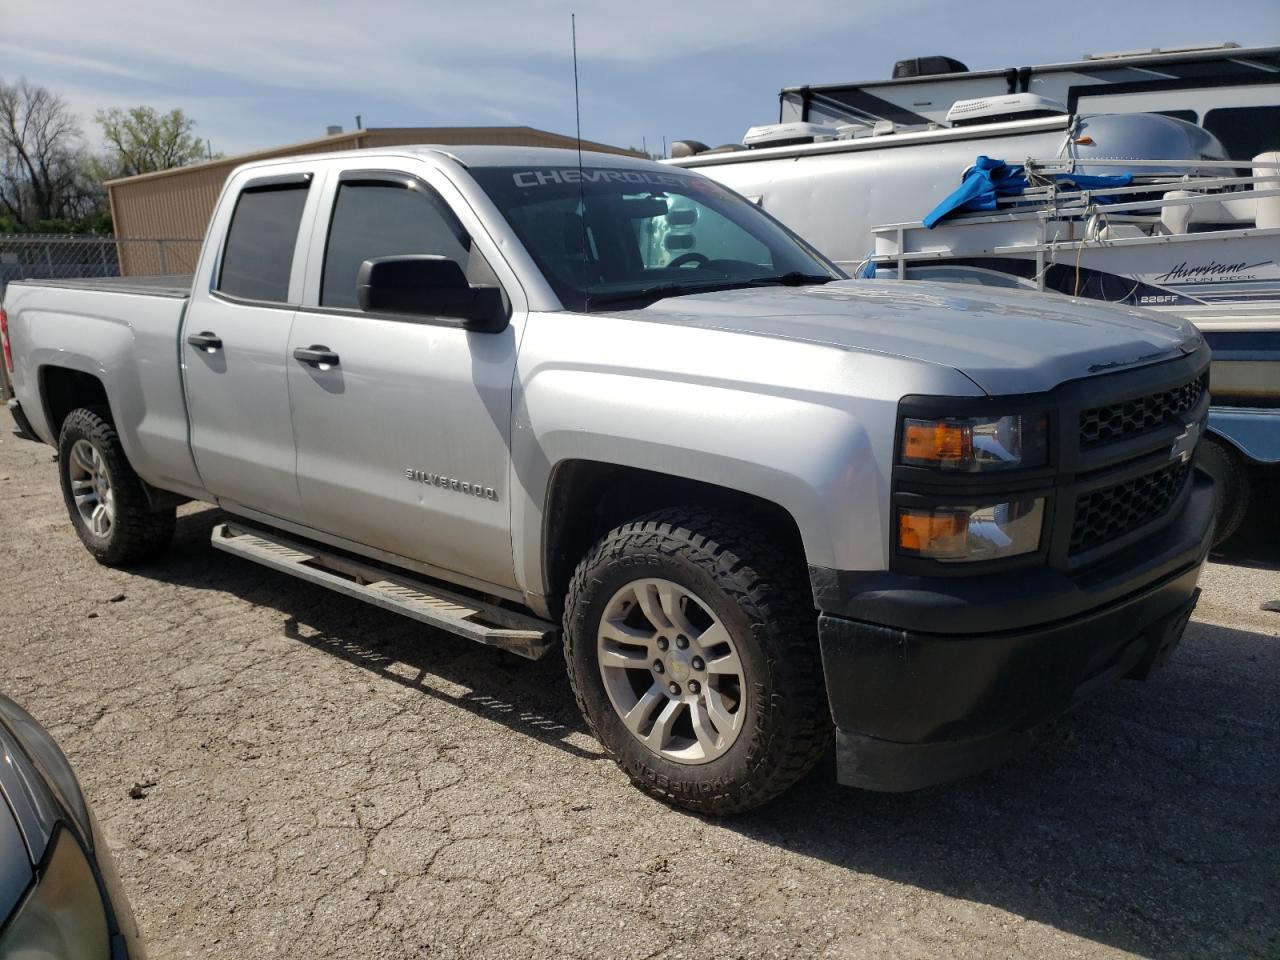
(1245,131)
(377,218)
(258,257)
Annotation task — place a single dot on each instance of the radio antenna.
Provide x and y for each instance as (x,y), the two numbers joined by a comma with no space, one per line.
(582,197)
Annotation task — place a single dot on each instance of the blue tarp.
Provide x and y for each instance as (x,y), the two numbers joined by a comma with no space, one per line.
(989,179)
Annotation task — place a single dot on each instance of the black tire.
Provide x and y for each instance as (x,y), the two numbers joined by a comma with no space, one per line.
(1231,481)
(137,532)
(763,600)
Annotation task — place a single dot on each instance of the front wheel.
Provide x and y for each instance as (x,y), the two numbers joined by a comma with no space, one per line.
(1231,486)
(692,650)
(104,497)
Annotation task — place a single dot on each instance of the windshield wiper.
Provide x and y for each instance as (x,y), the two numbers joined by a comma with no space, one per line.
(661,291)
(648,295)
(793,279)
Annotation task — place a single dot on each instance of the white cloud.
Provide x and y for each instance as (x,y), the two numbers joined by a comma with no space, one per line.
(287,39)
(10,51)
(397,50)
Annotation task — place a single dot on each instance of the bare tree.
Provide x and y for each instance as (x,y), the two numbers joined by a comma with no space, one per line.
(41,155)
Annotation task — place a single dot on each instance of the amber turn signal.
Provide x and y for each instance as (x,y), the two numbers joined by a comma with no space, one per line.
(933,533)
(937,442)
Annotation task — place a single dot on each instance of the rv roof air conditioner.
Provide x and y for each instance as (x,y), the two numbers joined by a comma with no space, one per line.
(788,134)
(1012,106)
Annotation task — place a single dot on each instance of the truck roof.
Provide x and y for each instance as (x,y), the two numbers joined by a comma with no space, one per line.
(478,155)
(488,155)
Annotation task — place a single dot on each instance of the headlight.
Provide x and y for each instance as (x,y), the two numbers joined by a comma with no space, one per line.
(976,444)
(64,915)
(962,534)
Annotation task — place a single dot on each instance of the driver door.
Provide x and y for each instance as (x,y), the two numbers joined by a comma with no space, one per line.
(402,425)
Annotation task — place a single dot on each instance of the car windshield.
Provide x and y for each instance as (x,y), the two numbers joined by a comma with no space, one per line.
(615,238)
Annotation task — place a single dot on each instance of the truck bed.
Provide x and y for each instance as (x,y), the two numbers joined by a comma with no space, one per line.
(177,286)
(123,332)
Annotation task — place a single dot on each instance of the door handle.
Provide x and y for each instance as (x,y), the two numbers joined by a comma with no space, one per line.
(316,355)
(206,341)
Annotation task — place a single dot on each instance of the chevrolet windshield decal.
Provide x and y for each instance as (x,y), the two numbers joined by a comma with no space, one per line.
(554,175)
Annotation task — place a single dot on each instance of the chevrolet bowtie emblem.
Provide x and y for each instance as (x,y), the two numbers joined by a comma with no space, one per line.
(1185,444)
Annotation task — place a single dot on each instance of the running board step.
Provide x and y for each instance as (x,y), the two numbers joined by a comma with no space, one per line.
(420,599)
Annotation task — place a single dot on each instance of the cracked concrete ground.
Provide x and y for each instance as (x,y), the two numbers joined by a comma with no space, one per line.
(333,781)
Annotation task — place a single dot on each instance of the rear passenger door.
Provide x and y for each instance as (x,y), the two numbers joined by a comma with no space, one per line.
(234,342)
(403,436)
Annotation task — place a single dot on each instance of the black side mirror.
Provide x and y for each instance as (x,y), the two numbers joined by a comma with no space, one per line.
(427,285)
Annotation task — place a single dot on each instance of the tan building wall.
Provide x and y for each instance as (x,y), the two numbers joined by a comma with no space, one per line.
(174,206)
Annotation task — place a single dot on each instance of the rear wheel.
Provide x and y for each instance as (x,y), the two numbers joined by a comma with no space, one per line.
(1231,486)
(104,497)
(692,649)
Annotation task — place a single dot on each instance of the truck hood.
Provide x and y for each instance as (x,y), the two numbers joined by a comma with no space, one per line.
(1005,341)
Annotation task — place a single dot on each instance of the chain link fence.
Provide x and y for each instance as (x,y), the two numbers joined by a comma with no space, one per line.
(35,256)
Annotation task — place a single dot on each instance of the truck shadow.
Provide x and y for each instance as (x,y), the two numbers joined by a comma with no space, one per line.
(1149,820)
(1257,542)
(530,697)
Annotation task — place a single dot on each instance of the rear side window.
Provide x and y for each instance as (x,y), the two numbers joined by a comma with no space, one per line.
(259,251)
(384,218)
(1245,131)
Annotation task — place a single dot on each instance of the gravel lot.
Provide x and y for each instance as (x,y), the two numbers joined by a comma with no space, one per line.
(331,781)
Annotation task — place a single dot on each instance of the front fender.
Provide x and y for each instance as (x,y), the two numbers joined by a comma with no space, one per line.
(806,426)
(818,463)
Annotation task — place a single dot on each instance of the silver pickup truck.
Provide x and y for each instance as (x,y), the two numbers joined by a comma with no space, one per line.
(544,400)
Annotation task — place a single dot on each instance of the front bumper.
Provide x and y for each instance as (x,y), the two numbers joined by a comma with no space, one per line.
(918,703)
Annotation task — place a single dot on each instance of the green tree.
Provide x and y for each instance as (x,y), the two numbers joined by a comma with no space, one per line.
(142,140)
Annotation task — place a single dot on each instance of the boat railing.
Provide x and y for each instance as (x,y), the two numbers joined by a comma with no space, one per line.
(1051,219)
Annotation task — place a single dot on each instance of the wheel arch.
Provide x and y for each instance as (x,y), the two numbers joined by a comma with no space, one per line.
(64,389)
(1251,433)
(585,499)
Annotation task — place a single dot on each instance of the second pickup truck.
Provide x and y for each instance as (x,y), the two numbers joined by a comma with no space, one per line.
(597,403)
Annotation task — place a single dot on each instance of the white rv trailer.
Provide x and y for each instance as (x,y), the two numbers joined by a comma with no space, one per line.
(1232,92)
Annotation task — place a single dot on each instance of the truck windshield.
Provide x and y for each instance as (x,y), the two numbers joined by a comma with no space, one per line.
(614,238)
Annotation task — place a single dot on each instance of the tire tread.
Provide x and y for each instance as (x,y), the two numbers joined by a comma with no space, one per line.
(743,558)
(139,533)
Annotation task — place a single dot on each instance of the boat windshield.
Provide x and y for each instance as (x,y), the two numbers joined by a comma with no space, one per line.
(616,238)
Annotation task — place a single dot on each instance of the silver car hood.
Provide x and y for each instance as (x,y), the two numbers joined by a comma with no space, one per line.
(1006,341)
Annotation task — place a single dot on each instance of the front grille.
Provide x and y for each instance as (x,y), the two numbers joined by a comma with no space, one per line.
(1111,512)
(1131,418)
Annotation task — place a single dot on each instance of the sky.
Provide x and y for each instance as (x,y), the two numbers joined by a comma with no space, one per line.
(271,72)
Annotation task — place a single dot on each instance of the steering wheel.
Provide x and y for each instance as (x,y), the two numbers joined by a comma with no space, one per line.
(691,257)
